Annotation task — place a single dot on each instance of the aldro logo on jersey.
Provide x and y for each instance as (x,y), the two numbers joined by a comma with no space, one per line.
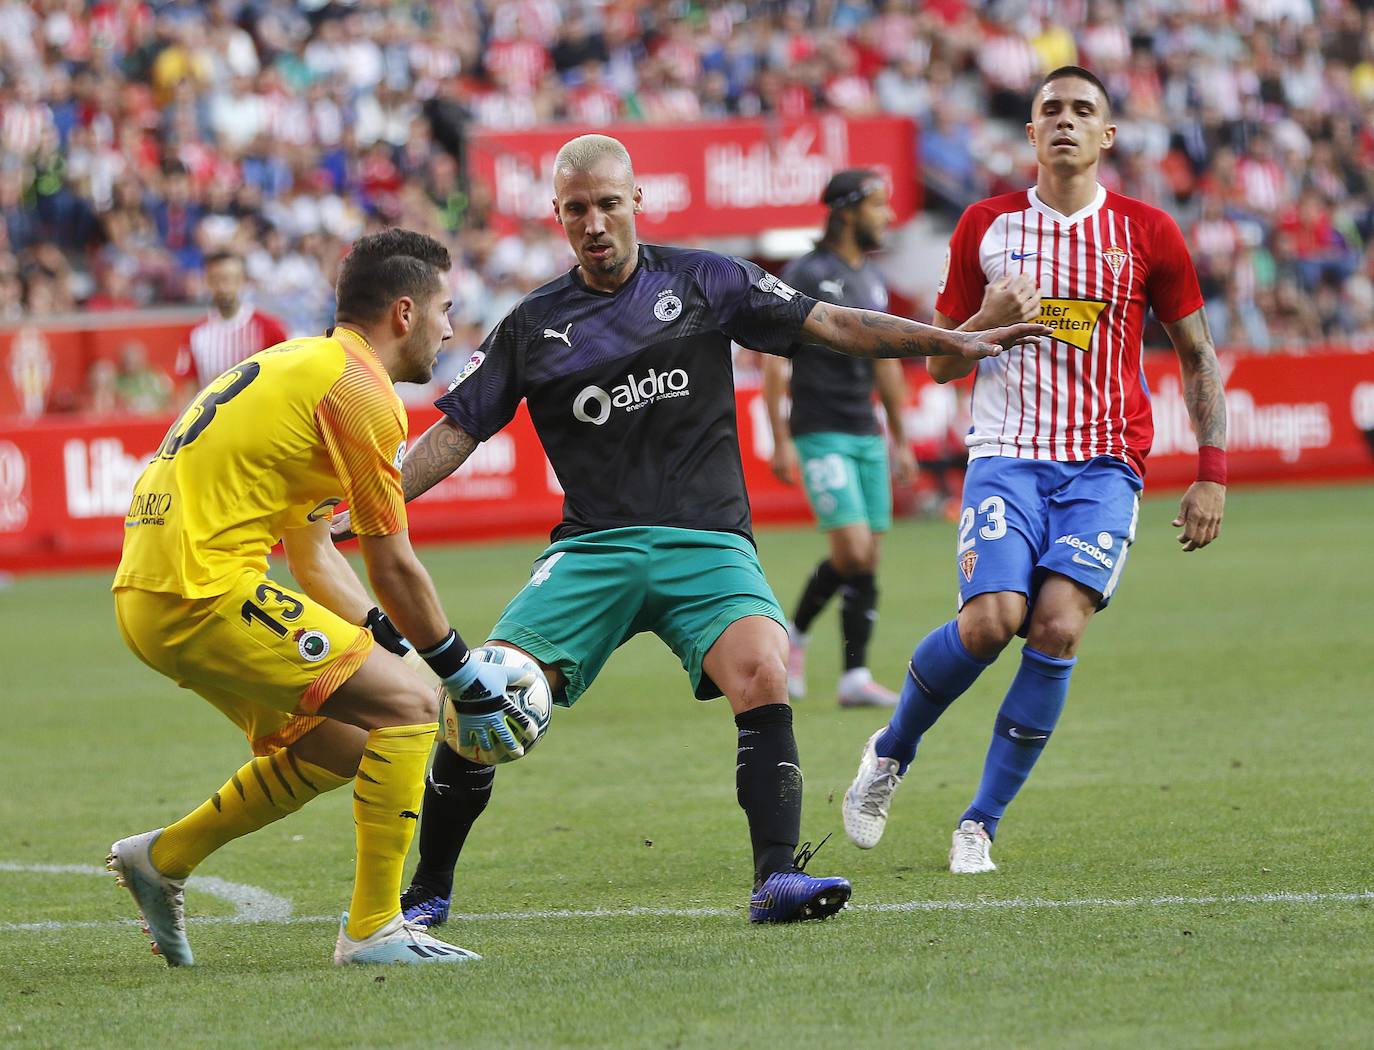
(1073,320)
(593,404)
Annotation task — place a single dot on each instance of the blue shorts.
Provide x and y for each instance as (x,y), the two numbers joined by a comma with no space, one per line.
(1023,518)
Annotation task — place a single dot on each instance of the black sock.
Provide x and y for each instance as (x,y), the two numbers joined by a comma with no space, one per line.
(456,792)
(858,610)
(768,784)
(822,584)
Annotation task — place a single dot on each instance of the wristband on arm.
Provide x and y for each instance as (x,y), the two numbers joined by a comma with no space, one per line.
(449,659)
(1211,464)
(385,633)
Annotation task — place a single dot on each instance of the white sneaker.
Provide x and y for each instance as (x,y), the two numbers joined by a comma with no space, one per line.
(160,899)
(796,663)
(866,802)
(397,941)
(857,689)
(969,854)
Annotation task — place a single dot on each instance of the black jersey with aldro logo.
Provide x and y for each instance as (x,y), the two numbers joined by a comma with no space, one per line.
(833,392)
(632,391)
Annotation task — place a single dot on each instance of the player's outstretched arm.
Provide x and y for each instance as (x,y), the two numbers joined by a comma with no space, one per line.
(1203,505)
(323,573)
(1007,300)
(404,589)
(867,333)
(436,454)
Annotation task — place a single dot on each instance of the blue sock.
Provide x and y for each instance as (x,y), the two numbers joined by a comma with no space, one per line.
(941,669)
(1024,724)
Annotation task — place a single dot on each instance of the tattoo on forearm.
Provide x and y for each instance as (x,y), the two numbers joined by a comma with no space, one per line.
(1203,391)
(441,450)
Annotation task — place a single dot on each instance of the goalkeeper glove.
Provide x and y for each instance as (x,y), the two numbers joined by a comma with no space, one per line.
(478,691)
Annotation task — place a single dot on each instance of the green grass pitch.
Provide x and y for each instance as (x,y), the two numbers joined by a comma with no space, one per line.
(1190,866)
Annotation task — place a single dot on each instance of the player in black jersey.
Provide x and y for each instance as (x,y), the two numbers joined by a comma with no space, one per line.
(830,440)
(625,365)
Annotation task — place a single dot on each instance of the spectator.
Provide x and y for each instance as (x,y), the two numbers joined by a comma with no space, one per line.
(233,330)
(142,390)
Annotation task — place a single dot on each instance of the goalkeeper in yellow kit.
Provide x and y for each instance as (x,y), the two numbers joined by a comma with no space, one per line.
(265,452)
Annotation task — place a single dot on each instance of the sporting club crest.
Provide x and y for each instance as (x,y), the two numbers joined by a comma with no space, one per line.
(967,561)
(1115,259)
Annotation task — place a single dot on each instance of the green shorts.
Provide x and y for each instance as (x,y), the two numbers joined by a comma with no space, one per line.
(590,594)
(846,479)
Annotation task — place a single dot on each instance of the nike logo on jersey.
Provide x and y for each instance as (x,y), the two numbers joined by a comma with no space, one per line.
(1018,256)
(1078,559)
(832,287)
(549,333)
(1016,734)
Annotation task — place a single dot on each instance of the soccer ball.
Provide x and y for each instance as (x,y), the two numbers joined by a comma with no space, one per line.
(529,703)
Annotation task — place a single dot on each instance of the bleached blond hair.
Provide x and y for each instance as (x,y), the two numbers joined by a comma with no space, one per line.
(583,153)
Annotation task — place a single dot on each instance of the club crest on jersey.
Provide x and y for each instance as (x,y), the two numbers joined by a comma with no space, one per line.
(1073,320)
(669,306)
(1115,259)
(967,561)
(474,363)
(313,645)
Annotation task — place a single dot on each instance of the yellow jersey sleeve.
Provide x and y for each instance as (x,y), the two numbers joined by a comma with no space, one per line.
(363,425)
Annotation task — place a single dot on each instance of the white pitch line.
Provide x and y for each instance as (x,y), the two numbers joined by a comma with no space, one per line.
(1021,903)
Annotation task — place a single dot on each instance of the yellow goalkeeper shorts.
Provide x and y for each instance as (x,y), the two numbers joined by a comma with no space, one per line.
(266,656)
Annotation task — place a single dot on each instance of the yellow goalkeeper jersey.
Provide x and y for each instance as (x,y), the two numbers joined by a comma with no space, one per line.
(274,443)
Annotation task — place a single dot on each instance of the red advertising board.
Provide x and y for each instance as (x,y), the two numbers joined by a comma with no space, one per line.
(717,179)
(45,367)
(65,483)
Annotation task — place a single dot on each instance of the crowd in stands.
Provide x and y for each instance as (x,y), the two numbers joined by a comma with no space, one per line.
(139,138)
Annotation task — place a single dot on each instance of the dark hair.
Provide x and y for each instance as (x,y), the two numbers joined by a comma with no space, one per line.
(1073,73)
(383,267)
(221,256)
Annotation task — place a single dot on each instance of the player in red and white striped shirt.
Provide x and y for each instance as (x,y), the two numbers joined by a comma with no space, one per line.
(233,330)
(1057,448)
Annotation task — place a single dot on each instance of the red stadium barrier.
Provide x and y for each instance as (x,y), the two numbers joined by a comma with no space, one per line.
(65,483)
(714,179)
(45,365)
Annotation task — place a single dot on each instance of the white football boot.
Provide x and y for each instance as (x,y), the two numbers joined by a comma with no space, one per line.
(970,852)
(857,689)
(397,941)
(868,798)
(796,663)
(159,898)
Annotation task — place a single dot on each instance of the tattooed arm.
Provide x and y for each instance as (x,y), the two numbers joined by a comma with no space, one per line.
(438,452)
(867,333)
(1201,510)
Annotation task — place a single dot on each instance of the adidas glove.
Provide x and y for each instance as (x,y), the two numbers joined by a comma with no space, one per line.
(478,691)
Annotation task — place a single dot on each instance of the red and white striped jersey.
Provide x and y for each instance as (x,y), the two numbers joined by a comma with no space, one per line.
(1079,393)
(219,343)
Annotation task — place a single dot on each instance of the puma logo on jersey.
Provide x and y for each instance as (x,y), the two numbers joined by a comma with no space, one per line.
(549,333)
(832,287)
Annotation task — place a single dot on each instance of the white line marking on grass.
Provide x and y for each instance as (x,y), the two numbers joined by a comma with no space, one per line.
(256,905)
(251,903)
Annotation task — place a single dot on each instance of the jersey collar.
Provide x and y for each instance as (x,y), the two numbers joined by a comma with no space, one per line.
(1099,198)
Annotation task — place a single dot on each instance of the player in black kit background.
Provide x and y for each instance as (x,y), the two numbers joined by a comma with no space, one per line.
(625,365)
(830,442)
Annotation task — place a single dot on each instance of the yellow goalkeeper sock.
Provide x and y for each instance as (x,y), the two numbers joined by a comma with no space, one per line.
(386,806)
(265,789)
